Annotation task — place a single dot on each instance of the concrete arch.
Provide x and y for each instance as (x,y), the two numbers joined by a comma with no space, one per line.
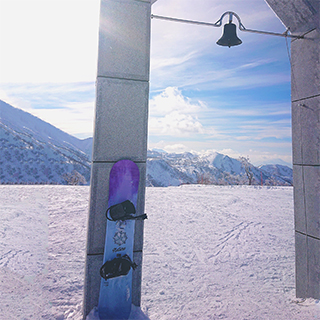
(123,84)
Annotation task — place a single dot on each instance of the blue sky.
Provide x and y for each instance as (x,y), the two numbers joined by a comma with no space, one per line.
(202,96)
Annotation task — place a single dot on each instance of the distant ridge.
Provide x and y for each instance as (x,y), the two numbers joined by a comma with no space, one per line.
(171,169)
(24,122)
(34,151)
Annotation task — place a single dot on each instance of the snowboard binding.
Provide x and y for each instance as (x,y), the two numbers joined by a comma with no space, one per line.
(123,211)
(119,266)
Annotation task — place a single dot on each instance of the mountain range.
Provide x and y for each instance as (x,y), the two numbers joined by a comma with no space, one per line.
(171,169)
(34,151)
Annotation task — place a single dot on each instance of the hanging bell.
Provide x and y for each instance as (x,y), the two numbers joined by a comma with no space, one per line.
(229,37)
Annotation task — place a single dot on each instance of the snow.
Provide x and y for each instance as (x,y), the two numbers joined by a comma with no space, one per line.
(210,252)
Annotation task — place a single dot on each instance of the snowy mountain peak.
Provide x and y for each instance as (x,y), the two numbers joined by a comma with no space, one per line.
(34,151)
(26,123)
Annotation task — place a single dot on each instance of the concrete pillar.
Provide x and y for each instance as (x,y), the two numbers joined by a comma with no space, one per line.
(122,92)
(302,17)
(306,162)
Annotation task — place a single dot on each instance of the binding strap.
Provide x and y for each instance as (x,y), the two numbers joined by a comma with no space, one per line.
(124,211)
(119,266)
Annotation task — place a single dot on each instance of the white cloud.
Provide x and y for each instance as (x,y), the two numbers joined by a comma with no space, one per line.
(175,124)
(173,114)
(171,99)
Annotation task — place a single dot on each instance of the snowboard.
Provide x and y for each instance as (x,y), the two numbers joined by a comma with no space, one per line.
(115,294)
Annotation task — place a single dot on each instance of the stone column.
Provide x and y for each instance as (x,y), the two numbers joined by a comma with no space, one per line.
(305,83)
(302,17)
(122,92)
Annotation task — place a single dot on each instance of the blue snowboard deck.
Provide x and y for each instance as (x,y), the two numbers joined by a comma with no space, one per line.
(116,293)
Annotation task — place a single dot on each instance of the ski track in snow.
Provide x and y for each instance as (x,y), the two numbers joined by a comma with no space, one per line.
(210,252)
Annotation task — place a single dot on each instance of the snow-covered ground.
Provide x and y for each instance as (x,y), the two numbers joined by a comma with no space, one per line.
(211,252)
